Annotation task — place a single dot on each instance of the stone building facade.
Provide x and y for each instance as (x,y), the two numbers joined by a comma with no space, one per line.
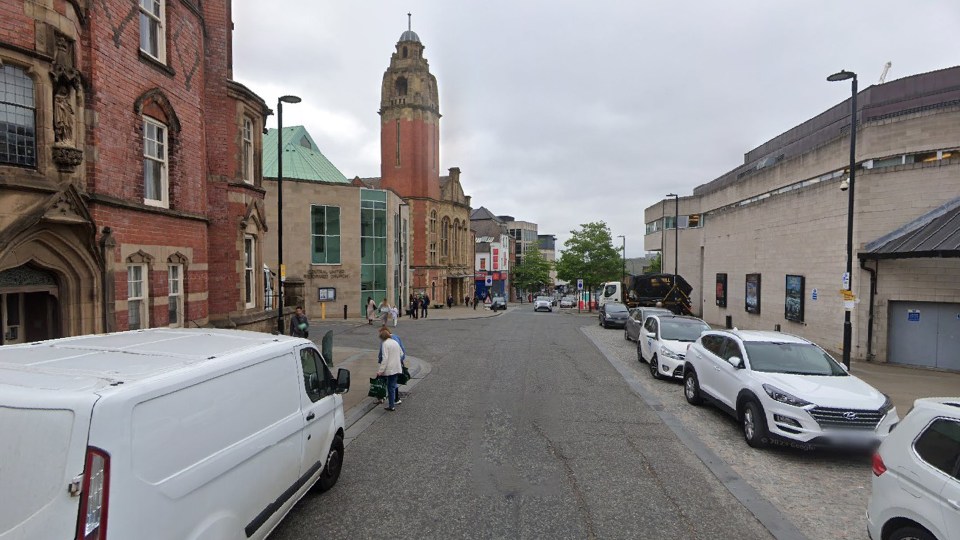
(442,245)
(776,227)
(129,192)
(344,240)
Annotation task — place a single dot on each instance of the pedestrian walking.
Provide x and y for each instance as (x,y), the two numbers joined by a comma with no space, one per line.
(424,305)
(450,301)
(390,367)
(475,300)
(371,310)
(299,325)
(384,312)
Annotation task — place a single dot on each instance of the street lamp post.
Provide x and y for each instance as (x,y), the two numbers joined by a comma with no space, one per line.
(847,327)
(280,271)
(676,235)
(623,248)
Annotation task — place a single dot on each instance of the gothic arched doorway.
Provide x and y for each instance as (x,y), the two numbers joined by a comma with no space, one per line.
(29,305)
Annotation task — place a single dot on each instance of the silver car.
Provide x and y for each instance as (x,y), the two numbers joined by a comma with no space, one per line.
(543,302)
(631,330)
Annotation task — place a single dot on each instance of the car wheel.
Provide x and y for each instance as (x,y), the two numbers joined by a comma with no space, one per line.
(691,388)
(639,352)
(626,335)
(911,533)
(754,425)
(654,367)
(331,469)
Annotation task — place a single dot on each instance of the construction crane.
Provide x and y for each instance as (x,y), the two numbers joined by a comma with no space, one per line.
(883,76)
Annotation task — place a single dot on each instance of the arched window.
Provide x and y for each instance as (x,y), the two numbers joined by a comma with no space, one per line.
(445,237)
(456,240)
(404,51)
(433,222)
(401,86)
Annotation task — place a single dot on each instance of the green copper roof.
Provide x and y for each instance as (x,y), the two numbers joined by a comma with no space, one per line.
(301,157)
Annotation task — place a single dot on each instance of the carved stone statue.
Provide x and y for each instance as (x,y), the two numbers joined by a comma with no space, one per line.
(63,116)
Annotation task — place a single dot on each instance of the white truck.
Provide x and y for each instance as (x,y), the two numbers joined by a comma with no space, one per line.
(164,433)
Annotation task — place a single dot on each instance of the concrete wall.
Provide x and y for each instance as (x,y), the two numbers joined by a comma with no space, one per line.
(803,232)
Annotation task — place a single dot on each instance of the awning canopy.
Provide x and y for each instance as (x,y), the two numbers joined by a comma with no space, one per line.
(932,235)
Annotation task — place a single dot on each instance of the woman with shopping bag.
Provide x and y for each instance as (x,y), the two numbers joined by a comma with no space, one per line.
(390,367)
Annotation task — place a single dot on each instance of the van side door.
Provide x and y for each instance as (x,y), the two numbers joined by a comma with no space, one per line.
(319,407)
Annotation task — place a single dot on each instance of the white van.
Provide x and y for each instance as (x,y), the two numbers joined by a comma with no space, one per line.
(164,433)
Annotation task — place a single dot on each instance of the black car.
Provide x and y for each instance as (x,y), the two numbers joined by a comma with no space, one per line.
(498,302)
(613,314)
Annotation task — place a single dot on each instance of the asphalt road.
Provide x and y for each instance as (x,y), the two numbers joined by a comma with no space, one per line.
(523,429)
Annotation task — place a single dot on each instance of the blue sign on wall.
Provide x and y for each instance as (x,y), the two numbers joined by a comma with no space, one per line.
(913,315)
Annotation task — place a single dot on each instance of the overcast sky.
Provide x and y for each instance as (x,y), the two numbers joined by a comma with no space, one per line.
(561,112)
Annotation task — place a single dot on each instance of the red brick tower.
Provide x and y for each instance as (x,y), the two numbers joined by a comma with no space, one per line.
(410,123)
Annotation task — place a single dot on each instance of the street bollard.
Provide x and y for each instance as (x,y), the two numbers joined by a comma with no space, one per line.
(729,322)
(344,312)
(776,327)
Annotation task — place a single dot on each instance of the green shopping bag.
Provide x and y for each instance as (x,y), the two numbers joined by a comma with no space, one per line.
(402,378)
(378,388)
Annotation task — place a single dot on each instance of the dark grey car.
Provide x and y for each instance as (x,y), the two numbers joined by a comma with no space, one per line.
(631,331)
(613,314)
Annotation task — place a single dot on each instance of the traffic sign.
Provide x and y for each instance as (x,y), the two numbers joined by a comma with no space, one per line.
(848,296)
(814,294)
(488,281)
(845,280)
(579,284)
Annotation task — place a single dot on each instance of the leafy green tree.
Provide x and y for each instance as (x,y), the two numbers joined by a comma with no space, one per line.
(589,255)
(656,264)
(533,272)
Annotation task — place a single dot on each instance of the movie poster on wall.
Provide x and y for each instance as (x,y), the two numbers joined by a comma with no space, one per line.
(722,290)
(793,304)
(753,294)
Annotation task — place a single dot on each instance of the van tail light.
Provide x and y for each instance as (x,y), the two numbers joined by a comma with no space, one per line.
(878,466)
(94,496)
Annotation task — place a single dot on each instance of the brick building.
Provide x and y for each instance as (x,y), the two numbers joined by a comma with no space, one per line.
(765,244)
(442,244)
(130,189)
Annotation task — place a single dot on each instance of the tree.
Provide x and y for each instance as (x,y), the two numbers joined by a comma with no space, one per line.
(656,263)
(533,272)
(589,255)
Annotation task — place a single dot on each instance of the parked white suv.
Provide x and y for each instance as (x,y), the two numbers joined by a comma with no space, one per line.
(916,476)
(783,388)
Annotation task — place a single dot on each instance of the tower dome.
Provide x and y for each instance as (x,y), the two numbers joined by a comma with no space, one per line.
(409,35)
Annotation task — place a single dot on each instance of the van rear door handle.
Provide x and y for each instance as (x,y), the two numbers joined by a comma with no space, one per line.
(310,417)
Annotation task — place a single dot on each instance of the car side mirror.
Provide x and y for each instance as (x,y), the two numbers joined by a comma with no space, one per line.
(649,334)
(844,366)
(736,362)
(343,381)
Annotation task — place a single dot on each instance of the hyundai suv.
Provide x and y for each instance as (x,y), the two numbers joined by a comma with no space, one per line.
(785,389)
(916,475)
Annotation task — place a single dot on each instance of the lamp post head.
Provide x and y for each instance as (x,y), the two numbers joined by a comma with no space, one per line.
(290,99)
(842,75)
(672,195)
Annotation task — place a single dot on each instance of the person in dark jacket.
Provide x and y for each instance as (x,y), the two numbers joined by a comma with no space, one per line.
(299,325)
(424,305)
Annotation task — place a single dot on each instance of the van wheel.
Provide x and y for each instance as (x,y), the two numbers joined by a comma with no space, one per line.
(754,425)
(331,469)
(911,533)
(691,388)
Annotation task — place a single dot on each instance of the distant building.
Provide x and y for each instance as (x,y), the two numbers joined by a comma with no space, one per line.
(548,249)
(493,249)
(524,234)
(764,245)
(344,241)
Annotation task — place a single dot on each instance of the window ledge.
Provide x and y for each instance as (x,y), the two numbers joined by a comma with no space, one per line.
(247,185)
(156,64)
